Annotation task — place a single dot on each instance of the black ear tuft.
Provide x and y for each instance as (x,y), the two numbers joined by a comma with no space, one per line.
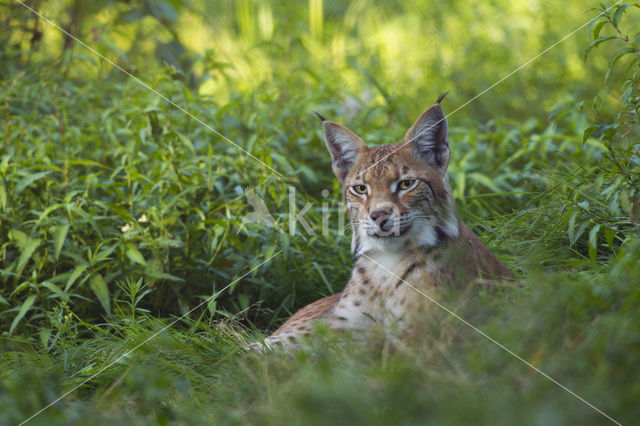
(441,97)
(320,117)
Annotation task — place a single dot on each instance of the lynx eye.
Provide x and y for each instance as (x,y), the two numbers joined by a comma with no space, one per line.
(360,189)
(405,184)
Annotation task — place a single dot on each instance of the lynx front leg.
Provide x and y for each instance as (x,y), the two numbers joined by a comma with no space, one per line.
(300,324)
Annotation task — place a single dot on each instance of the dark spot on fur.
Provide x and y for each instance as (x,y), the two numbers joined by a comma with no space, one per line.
(440,234)
(342,318)
(362,291)
(406,273)
(361,270)
(357,303)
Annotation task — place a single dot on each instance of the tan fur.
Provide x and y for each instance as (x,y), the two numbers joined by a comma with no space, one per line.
(429,246)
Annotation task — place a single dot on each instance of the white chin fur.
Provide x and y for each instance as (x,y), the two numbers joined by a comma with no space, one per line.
(371,245)
(421,234)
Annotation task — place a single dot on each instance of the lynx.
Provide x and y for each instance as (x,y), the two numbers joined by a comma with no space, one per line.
(406,234)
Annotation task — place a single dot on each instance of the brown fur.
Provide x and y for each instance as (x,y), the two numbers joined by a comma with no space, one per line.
(317,309)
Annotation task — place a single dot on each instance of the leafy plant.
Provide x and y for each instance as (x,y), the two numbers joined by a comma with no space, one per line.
(614,185)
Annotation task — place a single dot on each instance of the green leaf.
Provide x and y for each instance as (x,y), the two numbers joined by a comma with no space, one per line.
(104,253)
(74,276)
(593,236)
(617,57)
(27,246)
(154,266)
(618,14)
(571,228)
(59,235)
(598,27)
(187,142)
(29,179)
(211,305)
(133,254)
(164,276)
(45,335)
(19,237)
(162,10)
(3,197)
(593,242)
(54,289)
(133,15)
(609,235)
(31,246)
(595,43)
(484,180)
(90,219)
(22,312)
(101,291)
(588,133)
(47,211)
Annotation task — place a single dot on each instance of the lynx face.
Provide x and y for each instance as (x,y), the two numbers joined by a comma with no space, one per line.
(397,195)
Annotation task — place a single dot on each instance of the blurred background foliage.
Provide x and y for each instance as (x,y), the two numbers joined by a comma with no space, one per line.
(118,210)
(396,55)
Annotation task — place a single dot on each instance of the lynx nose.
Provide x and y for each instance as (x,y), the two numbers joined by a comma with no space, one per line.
(378,214)
(383,220)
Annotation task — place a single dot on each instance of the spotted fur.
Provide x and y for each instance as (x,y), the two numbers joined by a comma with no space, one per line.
(405,230)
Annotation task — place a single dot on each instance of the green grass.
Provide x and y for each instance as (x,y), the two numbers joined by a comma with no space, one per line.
(121,218)
(582,329)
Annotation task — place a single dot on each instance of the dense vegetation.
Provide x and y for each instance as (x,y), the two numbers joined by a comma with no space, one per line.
(123,215)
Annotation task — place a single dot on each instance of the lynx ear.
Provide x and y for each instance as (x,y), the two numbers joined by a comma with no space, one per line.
(428,137)
(344,146)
